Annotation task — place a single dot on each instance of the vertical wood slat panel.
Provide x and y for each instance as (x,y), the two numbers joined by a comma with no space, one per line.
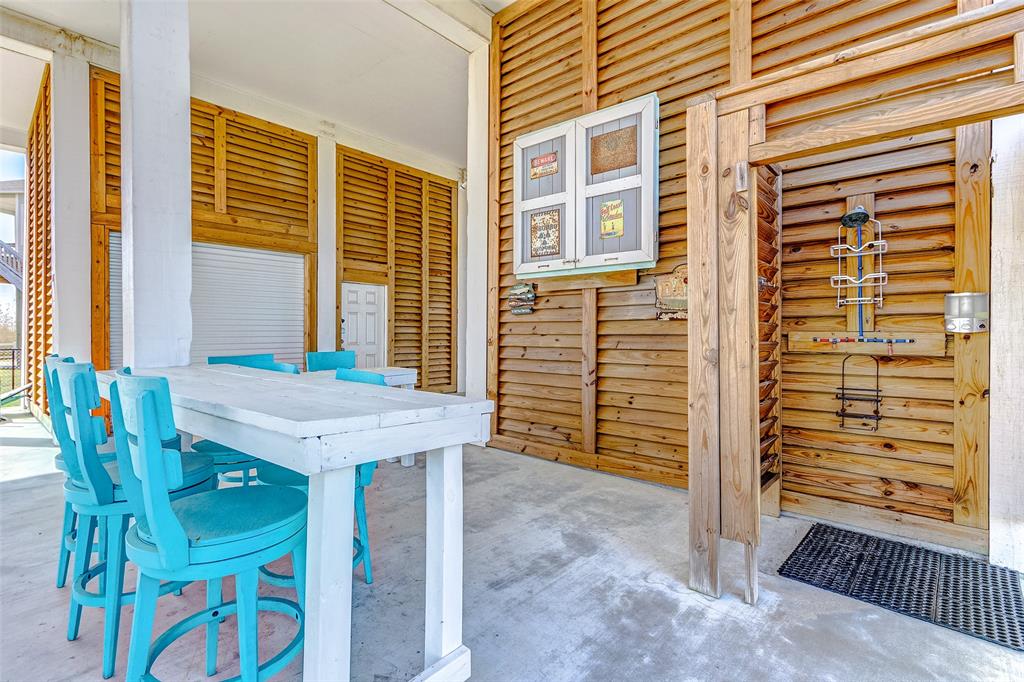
(38,252)
(398,226)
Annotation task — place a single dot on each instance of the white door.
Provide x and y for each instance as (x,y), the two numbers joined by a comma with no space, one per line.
(364,323)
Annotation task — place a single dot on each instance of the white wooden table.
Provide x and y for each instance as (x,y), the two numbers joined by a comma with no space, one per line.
(318,426)
(399,377)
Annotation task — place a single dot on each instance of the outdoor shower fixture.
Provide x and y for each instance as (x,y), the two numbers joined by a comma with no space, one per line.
(845,250)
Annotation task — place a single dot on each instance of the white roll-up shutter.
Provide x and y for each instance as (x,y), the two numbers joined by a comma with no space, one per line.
(243,301)
(116,334)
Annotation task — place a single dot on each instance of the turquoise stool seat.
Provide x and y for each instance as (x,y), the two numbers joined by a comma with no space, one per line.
(209,536)
(275,475)
(98,495)
(318,361)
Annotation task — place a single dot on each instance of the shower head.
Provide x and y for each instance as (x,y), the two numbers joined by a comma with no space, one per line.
(855,218)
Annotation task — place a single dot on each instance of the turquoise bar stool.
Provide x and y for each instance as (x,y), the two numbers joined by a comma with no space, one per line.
(209,536)
(272,474)
(259,361)
(317,361)
(69,522)
(98,495)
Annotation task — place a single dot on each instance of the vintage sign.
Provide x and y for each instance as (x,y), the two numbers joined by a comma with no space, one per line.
(545,164)
(671,295)
(545,234)
(612,224)
(613,150)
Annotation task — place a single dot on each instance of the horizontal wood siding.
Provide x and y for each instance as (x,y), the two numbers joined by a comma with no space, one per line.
(544,64)
(253,185)
(398,227)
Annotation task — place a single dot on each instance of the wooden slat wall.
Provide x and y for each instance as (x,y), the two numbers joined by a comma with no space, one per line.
(769,270)
(253,185)
(787,32)
(398,226)
(38,246)
(543,71)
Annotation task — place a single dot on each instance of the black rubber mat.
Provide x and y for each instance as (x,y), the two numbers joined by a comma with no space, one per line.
(959,593)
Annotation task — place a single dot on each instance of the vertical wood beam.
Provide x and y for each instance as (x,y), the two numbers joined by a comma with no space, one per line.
(493,204)
(739,41)
(588,396)
(1006,525)
(589,56)
(702,345)
(737,311)
(1018,57)
(326,243)
(339,236)
(98,144)
(220,164)
(971,257)
(850,264)
(425,284)
(453,348)
(391,268)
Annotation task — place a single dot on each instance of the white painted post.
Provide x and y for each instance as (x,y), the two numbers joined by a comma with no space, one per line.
(72,257)
(475,284)
(156,183)
(1006,459)
(326,234)
(328,646)
(444,554)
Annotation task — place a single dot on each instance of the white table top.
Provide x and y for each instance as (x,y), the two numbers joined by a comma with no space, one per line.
(308,405)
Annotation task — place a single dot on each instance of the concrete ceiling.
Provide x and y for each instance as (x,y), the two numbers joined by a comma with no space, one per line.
(495,6)
(20,76)
(361,63)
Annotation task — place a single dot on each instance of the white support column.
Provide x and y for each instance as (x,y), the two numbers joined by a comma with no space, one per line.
(326,234)
(1006,459)
(475,284)
(444,554)
(156,179)
(72,258)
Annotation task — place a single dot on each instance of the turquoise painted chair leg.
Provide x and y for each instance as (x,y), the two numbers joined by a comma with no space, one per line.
(246,586)
(214,597)
(245,477)
(146,592)
(299,569)
(364,534)
(113,578)
(101,530)
(64,558)
(83,552)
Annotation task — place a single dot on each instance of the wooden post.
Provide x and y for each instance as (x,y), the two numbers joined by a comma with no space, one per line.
(702,345)
(444,554)
(493,218)
(849,264)
(739,41)
(327,293)
(588,340)
(971,351)
(738,343)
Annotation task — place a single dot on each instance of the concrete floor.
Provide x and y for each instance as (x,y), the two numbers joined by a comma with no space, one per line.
(569,575)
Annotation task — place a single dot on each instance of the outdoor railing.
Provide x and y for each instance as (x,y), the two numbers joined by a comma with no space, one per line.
(10,264)
(10,368)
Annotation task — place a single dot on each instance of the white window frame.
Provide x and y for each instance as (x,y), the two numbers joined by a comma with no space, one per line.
(566,197)
(646,180)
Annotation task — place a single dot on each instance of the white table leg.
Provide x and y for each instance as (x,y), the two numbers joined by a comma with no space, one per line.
(410,459)
(444,554)
(329,575)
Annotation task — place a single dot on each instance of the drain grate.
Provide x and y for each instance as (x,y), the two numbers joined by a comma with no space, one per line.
(953,591)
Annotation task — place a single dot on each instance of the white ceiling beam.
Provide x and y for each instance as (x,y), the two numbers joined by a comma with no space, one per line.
(39,39)
(462,23)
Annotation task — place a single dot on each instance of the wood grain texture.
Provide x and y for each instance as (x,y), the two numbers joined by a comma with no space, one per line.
(971,351)
(703,348)
(588,388)
(738,334)
(739,41)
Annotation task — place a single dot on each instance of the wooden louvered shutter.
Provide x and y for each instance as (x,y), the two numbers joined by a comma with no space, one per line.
(39,271)
(407,295)
(363,217)
(439,370)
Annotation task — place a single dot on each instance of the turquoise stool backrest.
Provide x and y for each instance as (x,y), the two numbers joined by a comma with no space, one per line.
(59,416)
(144,423)
(76,395)
(259,361)
(360,376)
(316,361)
